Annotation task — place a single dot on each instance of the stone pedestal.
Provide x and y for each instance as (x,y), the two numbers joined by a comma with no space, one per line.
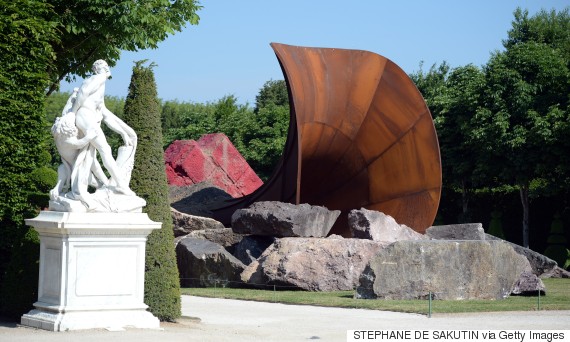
(91,271)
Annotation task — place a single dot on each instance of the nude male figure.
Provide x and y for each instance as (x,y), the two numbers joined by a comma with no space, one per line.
(90,111)
(68,144)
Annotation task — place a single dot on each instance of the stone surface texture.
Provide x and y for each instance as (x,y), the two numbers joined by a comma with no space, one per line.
(465,231)
(251,247)
(280,219)
(224,237)
(540,264)
(184,223)
(212,158)
(529,284)
(196,199)
(556,272)
(451,270)
(377,226)
(203,263)
(313,264)
(525,285)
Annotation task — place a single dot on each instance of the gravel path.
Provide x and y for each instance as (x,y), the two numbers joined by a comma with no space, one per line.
(212,319)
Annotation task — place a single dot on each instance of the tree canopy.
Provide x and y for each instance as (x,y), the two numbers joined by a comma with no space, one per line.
(273,92)
(526,99)
(551,28)
(101,29)
(505,126)
(259,135)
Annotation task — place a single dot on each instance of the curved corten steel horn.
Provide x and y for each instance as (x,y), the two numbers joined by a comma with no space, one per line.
(360,135)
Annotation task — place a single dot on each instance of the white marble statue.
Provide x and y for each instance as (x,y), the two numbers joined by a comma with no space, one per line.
(79,138)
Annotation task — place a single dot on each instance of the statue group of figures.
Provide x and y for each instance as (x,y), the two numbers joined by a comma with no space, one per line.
(79,139)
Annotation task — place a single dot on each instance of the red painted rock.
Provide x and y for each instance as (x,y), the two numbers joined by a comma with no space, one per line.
(212,158)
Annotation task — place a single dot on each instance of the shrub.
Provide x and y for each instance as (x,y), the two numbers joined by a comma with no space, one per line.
(142,113)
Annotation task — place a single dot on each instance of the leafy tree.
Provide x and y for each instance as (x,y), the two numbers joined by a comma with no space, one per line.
(527,88)
(196,119)
(259,136)
(432,85)
(273,92)
(454,124)
(142,113)
(230,118)
(550,28)
(264,138)
(171,116)
(453,96)
(100,29)
(25,55)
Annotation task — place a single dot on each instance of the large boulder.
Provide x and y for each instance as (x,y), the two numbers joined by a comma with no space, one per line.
(313,264)
(280,219)
(212,158)
(540,264)
(451,270)
(183,223)
(251,247)
(464,231)
(224,237)
(557,272)
(529,285)
(377,226)
(196,199)
(202,263)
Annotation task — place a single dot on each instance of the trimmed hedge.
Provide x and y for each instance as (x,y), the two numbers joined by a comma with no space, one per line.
(25,57)
(142,113)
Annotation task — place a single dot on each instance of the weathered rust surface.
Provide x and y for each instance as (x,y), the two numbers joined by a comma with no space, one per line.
(360,135)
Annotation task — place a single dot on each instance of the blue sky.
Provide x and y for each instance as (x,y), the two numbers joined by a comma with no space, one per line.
(228,53)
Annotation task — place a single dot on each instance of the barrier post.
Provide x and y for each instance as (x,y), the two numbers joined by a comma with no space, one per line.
(429,305)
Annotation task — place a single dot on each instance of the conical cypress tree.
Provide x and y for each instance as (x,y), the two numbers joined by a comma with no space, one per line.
(142,113)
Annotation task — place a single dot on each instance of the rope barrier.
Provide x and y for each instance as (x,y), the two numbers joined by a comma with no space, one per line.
(216,282)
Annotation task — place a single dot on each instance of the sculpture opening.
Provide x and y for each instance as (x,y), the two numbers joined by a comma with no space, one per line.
(360,136)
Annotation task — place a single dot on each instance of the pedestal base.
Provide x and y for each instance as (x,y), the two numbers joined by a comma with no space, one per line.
(80,320)
(91,271)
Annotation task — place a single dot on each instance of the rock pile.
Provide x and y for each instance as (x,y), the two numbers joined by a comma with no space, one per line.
(284,245)
(185,224)
(202,263)
(279,219)
(377,226)
(196,199)
(448,269)
(312,264)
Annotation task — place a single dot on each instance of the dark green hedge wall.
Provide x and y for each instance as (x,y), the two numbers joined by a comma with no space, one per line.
(25,57)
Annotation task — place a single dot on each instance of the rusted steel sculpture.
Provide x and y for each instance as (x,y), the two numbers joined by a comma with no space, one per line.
(360,135)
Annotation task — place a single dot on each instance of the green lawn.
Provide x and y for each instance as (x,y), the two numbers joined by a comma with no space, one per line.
(557,298)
